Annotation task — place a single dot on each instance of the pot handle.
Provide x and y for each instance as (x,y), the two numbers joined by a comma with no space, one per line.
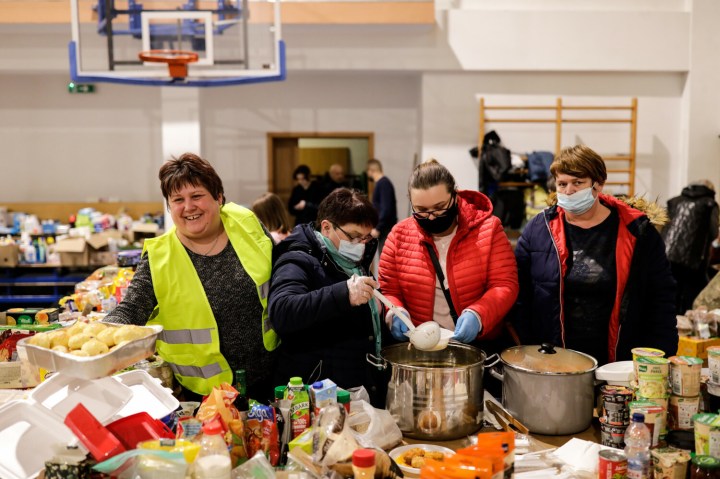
(492,360)
(377,361)
(496,374)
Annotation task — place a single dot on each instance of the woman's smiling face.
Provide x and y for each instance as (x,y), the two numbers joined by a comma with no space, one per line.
(195,212)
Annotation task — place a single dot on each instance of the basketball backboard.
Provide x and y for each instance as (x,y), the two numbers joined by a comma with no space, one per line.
(227,42)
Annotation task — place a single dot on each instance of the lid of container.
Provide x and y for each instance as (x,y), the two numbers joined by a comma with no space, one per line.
(343,396)
(713,350)
(363,458)
(317,385)
(638,417)
(706,462)
(212,428)
(547,359)
(280,392)
(705,418)
(647,352)
(652,360)
(685,360)
(296,381)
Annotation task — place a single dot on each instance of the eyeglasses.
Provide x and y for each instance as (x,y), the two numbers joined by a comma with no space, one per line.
(421,215)
(354,239)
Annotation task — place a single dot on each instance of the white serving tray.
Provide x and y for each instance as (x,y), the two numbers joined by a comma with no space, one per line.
(90,367)
(148,395)
(29,434)
(103,397)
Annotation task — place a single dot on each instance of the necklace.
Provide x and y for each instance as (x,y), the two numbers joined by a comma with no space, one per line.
(212,247)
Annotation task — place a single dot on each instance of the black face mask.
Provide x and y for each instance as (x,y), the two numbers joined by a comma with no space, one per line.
(442,223)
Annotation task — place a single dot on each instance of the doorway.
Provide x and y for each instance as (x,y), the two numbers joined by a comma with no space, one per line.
(286,151)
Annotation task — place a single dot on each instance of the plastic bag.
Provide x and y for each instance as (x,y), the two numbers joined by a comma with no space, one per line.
(359,394)
(373,427)
(333,440)
(145,463)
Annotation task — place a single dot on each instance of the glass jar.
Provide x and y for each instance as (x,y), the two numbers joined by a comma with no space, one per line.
(705,467)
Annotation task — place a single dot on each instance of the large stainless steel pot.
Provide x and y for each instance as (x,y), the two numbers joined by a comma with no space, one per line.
(435,395)
(550,390)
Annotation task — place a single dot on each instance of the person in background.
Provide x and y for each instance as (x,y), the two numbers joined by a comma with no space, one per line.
(305,196)
(321,298)
(334,179)
(383,200)
(271,212)
(456,232)
(205,281)
(592,269)
(688,239)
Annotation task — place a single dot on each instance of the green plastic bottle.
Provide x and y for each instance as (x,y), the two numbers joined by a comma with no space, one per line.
(300,408)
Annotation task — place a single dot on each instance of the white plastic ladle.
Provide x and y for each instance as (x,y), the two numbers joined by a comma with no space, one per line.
(425,337)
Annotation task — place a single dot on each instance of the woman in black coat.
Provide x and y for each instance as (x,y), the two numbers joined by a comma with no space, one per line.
(321,303)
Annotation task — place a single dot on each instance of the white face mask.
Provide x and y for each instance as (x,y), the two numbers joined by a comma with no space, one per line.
(579,202)
(351,251)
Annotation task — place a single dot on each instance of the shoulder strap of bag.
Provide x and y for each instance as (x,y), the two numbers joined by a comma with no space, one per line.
(441,277)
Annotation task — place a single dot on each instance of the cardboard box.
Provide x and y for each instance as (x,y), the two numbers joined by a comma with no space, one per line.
(692,346)
(23,316)
(142,230)
(9,255)
(73,252)
(100,241)
(18,375)
(102,258)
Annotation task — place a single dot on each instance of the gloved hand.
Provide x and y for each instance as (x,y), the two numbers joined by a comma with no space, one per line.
(398,329)
(360,289)
(467,328)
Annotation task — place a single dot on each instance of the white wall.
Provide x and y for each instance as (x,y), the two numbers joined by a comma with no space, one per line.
(236,121)
(451,119)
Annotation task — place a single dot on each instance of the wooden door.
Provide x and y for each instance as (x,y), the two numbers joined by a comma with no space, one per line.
(285,160)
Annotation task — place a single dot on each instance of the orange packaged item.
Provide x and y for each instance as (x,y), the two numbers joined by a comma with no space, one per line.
(497,445)
(219,402)
(455,467)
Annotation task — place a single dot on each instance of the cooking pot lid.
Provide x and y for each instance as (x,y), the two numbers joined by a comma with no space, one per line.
(548,359)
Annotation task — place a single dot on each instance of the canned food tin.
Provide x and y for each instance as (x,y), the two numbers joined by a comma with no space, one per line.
(654,418)
(612,436)
(713,353)
(615,400)
(681,411)
(685,375)
(612,464)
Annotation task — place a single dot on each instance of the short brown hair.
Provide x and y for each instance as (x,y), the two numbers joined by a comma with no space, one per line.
(376,163)
(431,173)
(580,161)
(343,206)
(189,169)
(271,212)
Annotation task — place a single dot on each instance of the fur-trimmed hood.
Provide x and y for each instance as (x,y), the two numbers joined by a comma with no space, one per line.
(656,214)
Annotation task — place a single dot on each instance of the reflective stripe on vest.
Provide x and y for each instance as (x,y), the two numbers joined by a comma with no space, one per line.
(186,336)
(204,372)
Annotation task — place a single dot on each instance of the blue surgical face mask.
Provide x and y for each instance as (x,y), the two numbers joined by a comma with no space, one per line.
(579,202)
(351,251)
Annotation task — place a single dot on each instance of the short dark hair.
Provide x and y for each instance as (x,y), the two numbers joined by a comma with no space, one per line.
(189,169)
(431,173)
(343,206)
(580,161)
(376,163)
(302,169)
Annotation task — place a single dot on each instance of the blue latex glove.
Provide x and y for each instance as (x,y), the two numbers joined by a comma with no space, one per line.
(467,328)
(398,329)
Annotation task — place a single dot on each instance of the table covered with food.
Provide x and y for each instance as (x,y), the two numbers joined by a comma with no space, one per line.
(104,407)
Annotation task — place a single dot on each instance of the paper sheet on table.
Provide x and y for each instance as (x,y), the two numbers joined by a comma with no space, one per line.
(580,455)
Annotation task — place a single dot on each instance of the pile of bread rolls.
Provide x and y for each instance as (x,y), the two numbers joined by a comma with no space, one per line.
(89,339)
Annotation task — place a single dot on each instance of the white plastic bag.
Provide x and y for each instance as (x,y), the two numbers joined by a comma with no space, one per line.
(373,427)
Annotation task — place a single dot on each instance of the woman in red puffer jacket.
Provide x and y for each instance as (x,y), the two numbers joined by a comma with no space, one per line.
(471,248)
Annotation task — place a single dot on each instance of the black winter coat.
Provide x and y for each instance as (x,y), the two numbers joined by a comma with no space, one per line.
(321,334)
(692,228)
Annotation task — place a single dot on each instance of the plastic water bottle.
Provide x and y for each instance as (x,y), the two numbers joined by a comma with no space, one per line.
(213,461)
(637,448)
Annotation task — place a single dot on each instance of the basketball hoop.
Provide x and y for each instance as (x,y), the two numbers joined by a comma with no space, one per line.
(177,60)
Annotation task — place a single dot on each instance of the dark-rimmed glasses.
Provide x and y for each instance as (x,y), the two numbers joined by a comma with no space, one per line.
(351,238)
(421,215)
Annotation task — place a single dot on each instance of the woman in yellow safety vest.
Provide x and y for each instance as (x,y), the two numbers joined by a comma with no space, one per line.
(206,282)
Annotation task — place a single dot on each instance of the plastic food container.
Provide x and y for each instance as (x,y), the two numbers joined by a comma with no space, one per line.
(93,367)
(619,373)
(685,375)
(28,434)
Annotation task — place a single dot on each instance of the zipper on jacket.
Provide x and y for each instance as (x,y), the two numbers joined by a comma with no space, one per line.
(557,253)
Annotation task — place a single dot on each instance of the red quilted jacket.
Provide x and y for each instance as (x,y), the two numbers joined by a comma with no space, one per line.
(481,268)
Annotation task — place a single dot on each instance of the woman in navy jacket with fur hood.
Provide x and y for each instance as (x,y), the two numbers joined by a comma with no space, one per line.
(592,268)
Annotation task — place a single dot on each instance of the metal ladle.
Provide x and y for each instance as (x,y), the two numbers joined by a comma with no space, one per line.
(425,337)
